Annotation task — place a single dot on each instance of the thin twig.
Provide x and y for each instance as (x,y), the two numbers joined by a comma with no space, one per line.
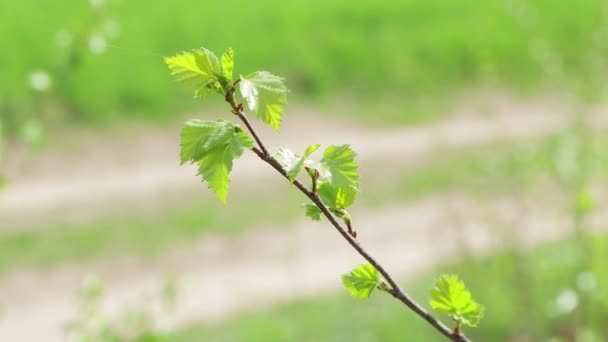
(237,109)
(394,290)
(243,118)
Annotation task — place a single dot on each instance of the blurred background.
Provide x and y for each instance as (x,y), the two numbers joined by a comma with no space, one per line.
(481,132)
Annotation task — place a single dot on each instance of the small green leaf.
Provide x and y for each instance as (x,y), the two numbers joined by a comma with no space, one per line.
(451,296)
(199,70)
(227,60)
(341,189)
(292,163)
(337,198)
(340,160)
(214,145)
(313,211)
(266,94)
(361,281)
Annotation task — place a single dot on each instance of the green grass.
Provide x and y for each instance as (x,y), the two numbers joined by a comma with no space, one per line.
(410,52)
(519,290)
(494,169)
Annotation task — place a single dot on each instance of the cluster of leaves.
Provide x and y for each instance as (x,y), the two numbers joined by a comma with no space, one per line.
(449,295)
(335,177)
(215,145)
(204,73)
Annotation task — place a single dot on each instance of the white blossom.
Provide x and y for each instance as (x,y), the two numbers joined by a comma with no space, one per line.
(97,44)
(567,301)
(40,80)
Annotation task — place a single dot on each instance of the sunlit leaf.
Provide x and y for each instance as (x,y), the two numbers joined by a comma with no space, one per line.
(449,295)
(198,137)
(227,61)
(313,211)
(214,145)
(200,70)
(361,281)
(340,160)
(266,95)
(335,197)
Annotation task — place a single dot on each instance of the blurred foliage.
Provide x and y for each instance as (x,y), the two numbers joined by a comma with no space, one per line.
(139,323)
(565,304)
(406,49)
(2,177)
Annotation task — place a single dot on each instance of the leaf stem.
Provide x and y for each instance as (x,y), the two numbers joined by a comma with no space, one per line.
(457,327)
(314,176)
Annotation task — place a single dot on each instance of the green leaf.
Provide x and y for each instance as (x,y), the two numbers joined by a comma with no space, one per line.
(361,281)
(340,170)
(313,211)
(227,60)
(292,163)
(208,89)
(340,160)
(266,94)
(198,137)
(337,198)
(451,296)
(199,70)
(214,145)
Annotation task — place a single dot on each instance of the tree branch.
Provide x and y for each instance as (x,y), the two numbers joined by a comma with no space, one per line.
(394,290)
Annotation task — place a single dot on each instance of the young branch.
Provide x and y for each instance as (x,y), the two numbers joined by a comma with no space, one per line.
(394,290)
(238,111)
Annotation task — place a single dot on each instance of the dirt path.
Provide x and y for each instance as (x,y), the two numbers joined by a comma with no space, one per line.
(222,276)
(101,173)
